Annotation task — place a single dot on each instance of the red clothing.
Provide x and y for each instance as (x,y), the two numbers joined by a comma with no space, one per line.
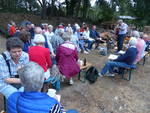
(12,30)
(66,58)
(41,56)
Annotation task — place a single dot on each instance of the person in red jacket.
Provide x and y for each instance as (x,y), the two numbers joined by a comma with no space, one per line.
(12,29)
(40,54)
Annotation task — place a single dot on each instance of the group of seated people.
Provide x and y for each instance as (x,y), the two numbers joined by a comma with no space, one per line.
(135,52)
(32,51)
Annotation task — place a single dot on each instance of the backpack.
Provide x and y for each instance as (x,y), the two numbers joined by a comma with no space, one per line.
(91,74)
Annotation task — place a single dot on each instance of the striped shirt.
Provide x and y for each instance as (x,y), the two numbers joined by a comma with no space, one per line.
(57,108)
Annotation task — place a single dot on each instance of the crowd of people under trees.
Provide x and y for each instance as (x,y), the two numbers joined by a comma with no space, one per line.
(35,53)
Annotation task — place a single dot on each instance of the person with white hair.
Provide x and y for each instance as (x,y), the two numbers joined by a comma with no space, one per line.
(32,100)
(56,40)
(67,57)
(40,54)
(123,61)
(47,44)
(121,33)
(141,45)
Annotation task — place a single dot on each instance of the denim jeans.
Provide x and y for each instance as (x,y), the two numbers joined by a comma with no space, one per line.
(81,45)
(90,43)
(109,66)
(120,41)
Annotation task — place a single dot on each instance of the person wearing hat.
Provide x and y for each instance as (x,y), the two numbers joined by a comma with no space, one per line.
(125,60)
(40,54)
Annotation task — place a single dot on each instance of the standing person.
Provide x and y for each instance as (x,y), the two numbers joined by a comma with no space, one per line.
(40,54)
(121,30)
(32,100)
(67,57)
(15,59)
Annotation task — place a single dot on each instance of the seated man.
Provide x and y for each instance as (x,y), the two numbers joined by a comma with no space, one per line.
(32,100)
(125,60)
(95,35)
(15,58)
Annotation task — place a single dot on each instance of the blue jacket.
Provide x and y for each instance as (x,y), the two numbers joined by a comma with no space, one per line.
(94,34)
(30,102)
(128,57)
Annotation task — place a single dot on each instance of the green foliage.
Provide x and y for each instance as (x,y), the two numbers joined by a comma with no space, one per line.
(141,11)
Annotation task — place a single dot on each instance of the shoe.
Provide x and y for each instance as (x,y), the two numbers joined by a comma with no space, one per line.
(71,82)
(86,52)
(110,74)
(100,75)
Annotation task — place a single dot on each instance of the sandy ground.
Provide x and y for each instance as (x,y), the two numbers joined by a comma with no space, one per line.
(106,95)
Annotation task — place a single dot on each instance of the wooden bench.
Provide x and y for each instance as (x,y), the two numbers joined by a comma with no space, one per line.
(83,70)
(129,70)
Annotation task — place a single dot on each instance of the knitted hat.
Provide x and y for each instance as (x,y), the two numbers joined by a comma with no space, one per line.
(39,38)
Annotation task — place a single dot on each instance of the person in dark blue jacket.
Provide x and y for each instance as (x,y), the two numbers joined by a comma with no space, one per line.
(125,60)
(96,36)
(32,100)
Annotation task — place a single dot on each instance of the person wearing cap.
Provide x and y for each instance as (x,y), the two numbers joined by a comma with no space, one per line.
(141,45)
(125,60)
(121,34)
(40,54)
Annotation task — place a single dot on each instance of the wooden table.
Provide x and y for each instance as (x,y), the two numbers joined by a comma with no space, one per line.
(83,70)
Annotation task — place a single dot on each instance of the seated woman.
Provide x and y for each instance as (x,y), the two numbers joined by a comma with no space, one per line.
(40,54)
(125,60)
(67,57)
(32,100)
(141,45)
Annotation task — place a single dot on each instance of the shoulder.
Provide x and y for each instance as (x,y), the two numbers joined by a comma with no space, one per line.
(13,97)
(24,54)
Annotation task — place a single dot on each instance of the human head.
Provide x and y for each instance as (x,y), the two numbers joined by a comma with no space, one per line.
(132,41)
(45,25)
(28,25)
(66,36)
(94,27)
(60,31)
(39,39)
(38,30)
(120,21)
(135,34)
(24,36)
(32,76)
(50,27)
(14,45)
(69,30)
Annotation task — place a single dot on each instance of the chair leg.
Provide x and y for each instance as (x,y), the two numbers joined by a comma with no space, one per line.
(4,103)
(144,59)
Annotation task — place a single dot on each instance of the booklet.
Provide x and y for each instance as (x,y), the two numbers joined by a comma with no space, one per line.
(112,57)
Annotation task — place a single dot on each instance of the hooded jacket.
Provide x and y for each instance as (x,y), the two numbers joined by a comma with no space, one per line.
(66,57)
